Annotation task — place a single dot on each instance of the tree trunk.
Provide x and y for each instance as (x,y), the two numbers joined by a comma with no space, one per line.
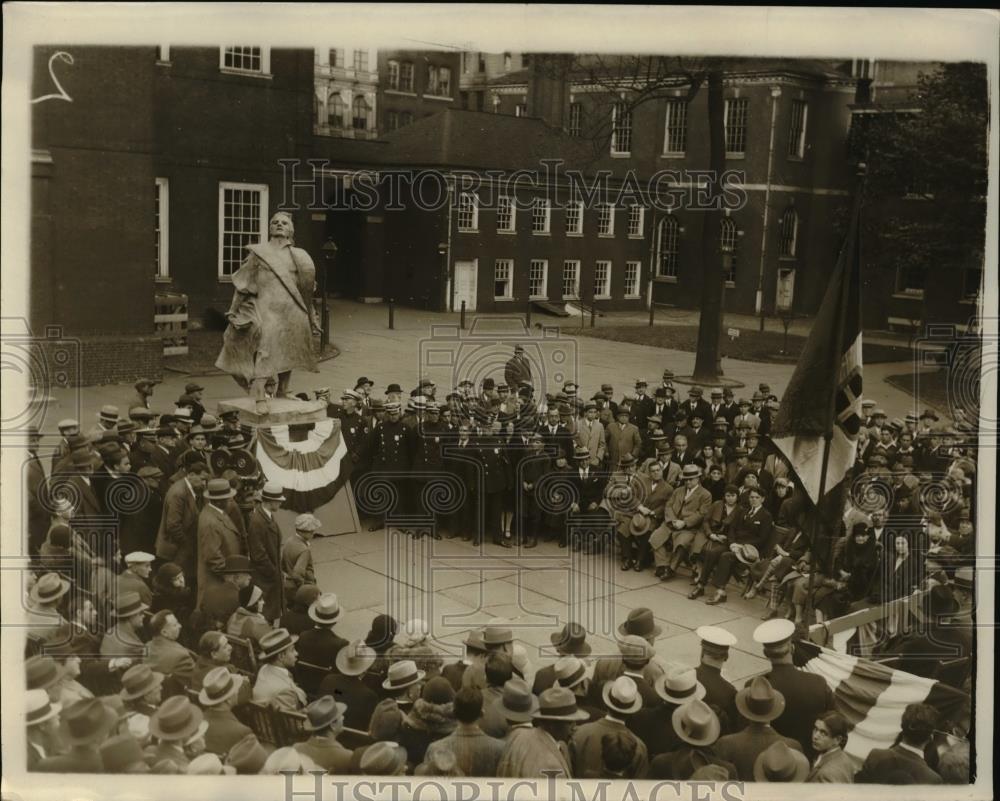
(707,365)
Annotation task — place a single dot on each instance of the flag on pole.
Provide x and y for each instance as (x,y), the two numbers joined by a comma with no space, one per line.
(872,697)
(829,367)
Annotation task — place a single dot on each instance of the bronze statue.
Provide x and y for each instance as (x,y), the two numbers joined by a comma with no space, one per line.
(271,318)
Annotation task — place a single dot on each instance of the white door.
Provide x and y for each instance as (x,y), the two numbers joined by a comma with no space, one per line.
(786,289)
(465,284)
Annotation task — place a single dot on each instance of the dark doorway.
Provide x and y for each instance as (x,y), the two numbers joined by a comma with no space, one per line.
(346,228)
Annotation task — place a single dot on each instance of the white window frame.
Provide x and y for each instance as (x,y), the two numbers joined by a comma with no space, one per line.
(667,247)
(365,56)
(574,293)
(575,119)
(369,110)
(725,226)
(578,229)
(521,109)
(335,95)
(544,264)
(265,61)
(163,229)
(605,293)
(509,265)
(223,186)
(473,227)
(610,232)
(635,293)
(730,103)
(392,67)
(676,107)
(440,72)
(506,205)
(638,233)
(790,251)
(541,223)
(163,54)
(621,130)
(406,76)
(797,149)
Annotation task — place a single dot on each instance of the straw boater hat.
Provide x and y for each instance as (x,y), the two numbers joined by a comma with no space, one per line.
(272,491)
(569,671)
(759,701)
(696,723)
(218,489)
(325,610)
(558,703)
(402,674)
(40,708)
(274,642)
(622,696)
(691,471)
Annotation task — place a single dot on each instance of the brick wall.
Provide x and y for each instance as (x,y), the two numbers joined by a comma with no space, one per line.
(114,360)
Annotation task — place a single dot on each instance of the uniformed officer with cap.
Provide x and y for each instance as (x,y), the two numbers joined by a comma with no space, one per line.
(719,693)
(807,695)
(642,406)
(391,454)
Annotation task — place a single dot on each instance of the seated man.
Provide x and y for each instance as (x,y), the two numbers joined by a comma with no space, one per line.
(275,685)
(683,519)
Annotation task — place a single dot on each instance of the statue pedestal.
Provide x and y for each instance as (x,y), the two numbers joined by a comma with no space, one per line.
(280,411)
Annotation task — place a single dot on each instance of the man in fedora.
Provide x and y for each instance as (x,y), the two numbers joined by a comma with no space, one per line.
(517,704)
(107,420)
(622,437)
(346,683)
(475,656)
(219,694)
(518,368)
(320,645)
(45,619)
(82,727)
(696,728)
(296,555)
(571,640)
(325,720)
(221,600)
(384,758)
(123,639)
(275,685)
(264,541)
(542,750)
(683,519)
(719,693)
(177,538)
(807,695)
(673,688)
(779,763)
(622,701)
(759,703)
(42,724)
(143,392)
(402,682)
(173,725)
(218,536)
(141,695)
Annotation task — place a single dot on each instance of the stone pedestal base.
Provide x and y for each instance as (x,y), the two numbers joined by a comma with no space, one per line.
(279,411)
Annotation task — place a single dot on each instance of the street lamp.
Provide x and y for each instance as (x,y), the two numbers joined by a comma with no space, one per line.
(443,252)
(329,254)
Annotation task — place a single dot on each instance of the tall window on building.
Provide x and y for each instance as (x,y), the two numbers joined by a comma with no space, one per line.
(360,112)
(571,280)
(910,279)
(521,110)
(392,120)
(788,230)
(736,125)
(632,270)
(605,220)
(602,279)
(335,109)
(444,82)
(361,60)
(666,247)
(405,118)
(621,129)
(246,59)
(505,213)
(540,214)
(393,67)
(503,279)
(797,129)
(242,222)
(538,274)
(506,62)
(336,57)
(162,227)
(406,76)
(675,127)
(574,217)
(727,244)
(468,212)
(481,63)
(575,127)
(636,216)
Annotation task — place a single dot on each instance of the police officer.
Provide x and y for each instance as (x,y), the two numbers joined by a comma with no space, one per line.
(390,451)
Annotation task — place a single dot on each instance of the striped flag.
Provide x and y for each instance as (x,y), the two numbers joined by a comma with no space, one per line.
(308,470)
(872,697)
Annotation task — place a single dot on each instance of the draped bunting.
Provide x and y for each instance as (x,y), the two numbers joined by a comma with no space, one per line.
(309,470)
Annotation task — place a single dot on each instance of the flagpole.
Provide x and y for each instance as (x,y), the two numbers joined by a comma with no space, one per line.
(855,224)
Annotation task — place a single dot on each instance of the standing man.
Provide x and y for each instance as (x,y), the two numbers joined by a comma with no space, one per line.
(67,428)
(558,440)
(642,406)
(296,556)
(34,482)
(143,392)
(177,538)
(518,368)
(390,451)
(719,693)
(622,437)
(218,536)
(195,392)
(590,435)
(264,541)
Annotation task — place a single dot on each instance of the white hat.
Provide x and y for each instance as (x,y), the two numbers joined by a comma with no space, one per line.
(139,557)
(774,632)
(67,423)
(716,636)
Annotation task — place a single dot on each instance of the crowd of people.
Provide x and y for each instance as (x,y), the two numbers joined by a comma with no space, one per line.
(154,642)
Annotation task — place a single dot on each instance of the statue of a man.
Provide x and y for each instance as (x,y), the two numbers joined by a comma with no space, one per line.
(271,318)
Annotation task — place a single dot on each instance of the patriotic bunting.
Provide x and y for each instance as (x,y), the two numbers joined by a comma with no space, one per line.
(310,470)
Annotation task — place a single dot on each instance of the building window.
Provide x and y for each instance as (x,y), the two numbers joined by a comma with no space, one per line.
(360,111)
(538,278)
(506,62)
(438,81)
(605,220)
(503,282)
(666,248)
(632,269)
(525,60)
(406,76)
(336,57)
(481,64)
(521,110)
(636,216)
(162,227)
(910,279)
(360,60)
(602,279)
(505,214)
(797,131)
(393,74)
(571,279)
(405,118)
(788,230)
(163,54)
(468,212)
(675,127)
(574,217)
(736,126)
(242,222)
(575,119)
(727,244)
(540,214)
(335,109)
(972,284)
(392,120)
(246,59)
(621,129)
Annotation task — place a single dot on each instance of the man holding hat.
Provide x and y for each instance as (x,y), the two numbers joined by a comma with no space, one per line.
(807,695)
(325,720)
(218,536)
(296,555)
(275,685)
(82,726)
(683,519)
(542,751)
(622,701)
(346,683)
(264,539)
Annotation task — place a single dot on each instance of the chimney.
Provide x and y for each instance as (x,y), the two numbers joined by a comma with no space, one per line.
(548,87)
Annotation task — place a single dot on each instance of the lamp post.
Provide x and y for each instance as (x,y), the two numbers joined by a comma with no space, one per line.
(329,254)
(443,252)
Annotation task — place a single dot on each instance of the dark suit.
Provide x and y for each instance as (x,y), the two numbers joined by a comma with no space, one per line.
(361,700)
(38,517)
(517,369)
(743,748)
(883,761)
(177,538)
(319,646)
(218,538)
(720,694)
(681,763)
(642,409)
(558,440)
(545,678)
(264,541)
(224,730)
(700,407)
(79,759)
(807,696)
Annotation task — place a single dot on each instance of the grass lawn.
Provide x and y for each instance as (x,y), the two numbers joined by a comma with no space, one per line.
(751,345)
(929,388)
(203,349)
